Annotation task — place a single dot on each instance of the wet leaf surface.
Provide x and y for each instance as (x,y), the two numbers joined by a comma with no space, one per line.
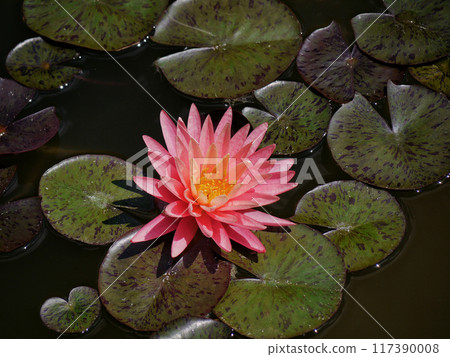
(6,176)
(194,327)
(13,98)
(434,75)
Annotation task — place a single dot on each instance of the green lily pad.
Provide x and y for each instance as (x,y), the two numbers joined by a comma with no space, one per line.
(327,63)
(113,24)
(141,286)
(412,152)
(79,196)
(21,222)
(434,75)
(37,64)
(291,293)
(236,45)
(76,315)
(6,176)
(194,327)
(295,125)
(13,98)
(414,32)
(367,224)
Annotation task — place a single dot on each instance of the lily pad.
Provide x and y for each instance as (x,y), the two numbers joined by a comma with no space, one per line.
(109,25)
(13,98)
(434,75)
(412,152)
(297,118)
(37,64)
(236,45)
(79,196)
(194,327)
(327,63)
(292,292)
(141,286)
(76,315)
(367,224)
(21,222)
(6,176)
(413,32)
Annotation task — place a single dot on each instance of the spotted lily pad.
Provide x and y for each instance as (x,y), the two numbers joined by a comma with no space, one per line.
(434,75)
(327,63)
(141,286)
(291,293)
(411,32)
(79,196)
(297,118)
(366,224)
(13,98)
(110,25)
(412,152)
(236,45)
(194,327)
(6,176)
(76,315)
(20,222)
(37,64)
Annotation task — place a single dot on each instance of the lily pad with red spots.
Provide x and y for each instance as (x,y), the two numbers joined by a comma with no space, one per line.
(20,222)
(297,117)
(296,285)
(434,75)
(410,152)
(142,287)
(38,64)
(235,46)
(365,223)
(98,25)
(194,327)
(6,176)
(410,32)
(80,194)
(76,315)
(326,62)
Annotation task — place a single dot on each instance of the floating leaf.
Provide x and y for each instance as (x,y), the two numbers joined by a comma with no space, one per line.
(13,98)
(367,224)
(292,292)
(21,222)
(194,327)
(237,45)
(415,31)
(411,153)
(297,118)
(6,176)
(142,288)
(435,75)
(327,63)
(78,197)
(75,315)
(109,25)
(37,64)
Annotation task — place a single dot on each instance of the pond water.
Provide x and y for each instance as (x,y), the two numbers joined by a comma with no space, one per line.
(107,113)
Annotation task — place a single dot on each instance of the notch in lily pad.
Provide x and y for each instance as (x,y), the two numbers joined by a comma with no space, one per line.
(76,315)
(142,286)
(434,75)
(38,64)
(297,117)
(296,286)
(81,197)
(99,25)
(235,46)
(410,152)
(411,32)
(330,66)
(21,222)
(193,328)
(365,223)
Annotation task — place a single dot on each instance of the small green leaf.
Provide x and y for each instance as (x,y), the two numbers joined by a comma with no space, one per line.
(434,75)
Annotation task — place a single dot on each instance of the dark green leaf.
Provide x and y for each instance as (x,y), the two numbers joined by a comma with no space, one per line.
(434,75)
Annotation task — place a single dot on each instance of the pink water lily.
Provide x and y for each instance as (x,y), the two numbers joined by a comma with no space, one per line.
(212,181)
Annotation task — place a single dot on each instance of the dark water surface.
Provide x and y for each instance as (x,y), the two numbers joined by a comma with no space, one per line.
(409,295)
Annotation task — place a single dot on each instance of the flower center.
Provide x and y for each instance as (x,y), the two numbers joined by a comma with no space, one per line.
(213,187)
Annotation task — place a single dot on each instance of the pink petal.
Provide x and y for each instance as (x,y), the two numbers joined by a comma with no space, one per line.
(174,186)
(238,139)
(169,132)
(220,236)
(223,140)
(237,219)
(182,152)
(219,201)
(226,120)
(245,238)
(256,137)
(249,200)
(177,209)
(204,223)
(195,210)
(282,177)
(183,172)
(183,236)
(154,146)
(194,123)
(282,165)
(275,189)
(207,135)
(267,219)
(182,132)
(155,228)
(155,188)
(262,155)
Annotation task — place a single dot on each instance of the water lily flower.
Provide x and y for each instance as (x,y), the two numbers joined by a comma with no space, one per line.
(212,181)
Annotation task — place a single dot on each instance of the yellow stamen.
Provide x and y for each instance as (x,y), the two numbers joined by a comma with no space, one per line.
(212,188)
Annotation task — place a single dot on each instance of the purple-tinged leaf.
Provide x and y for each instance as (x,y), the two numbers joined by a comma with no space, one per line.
(13,98)
(6,176)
